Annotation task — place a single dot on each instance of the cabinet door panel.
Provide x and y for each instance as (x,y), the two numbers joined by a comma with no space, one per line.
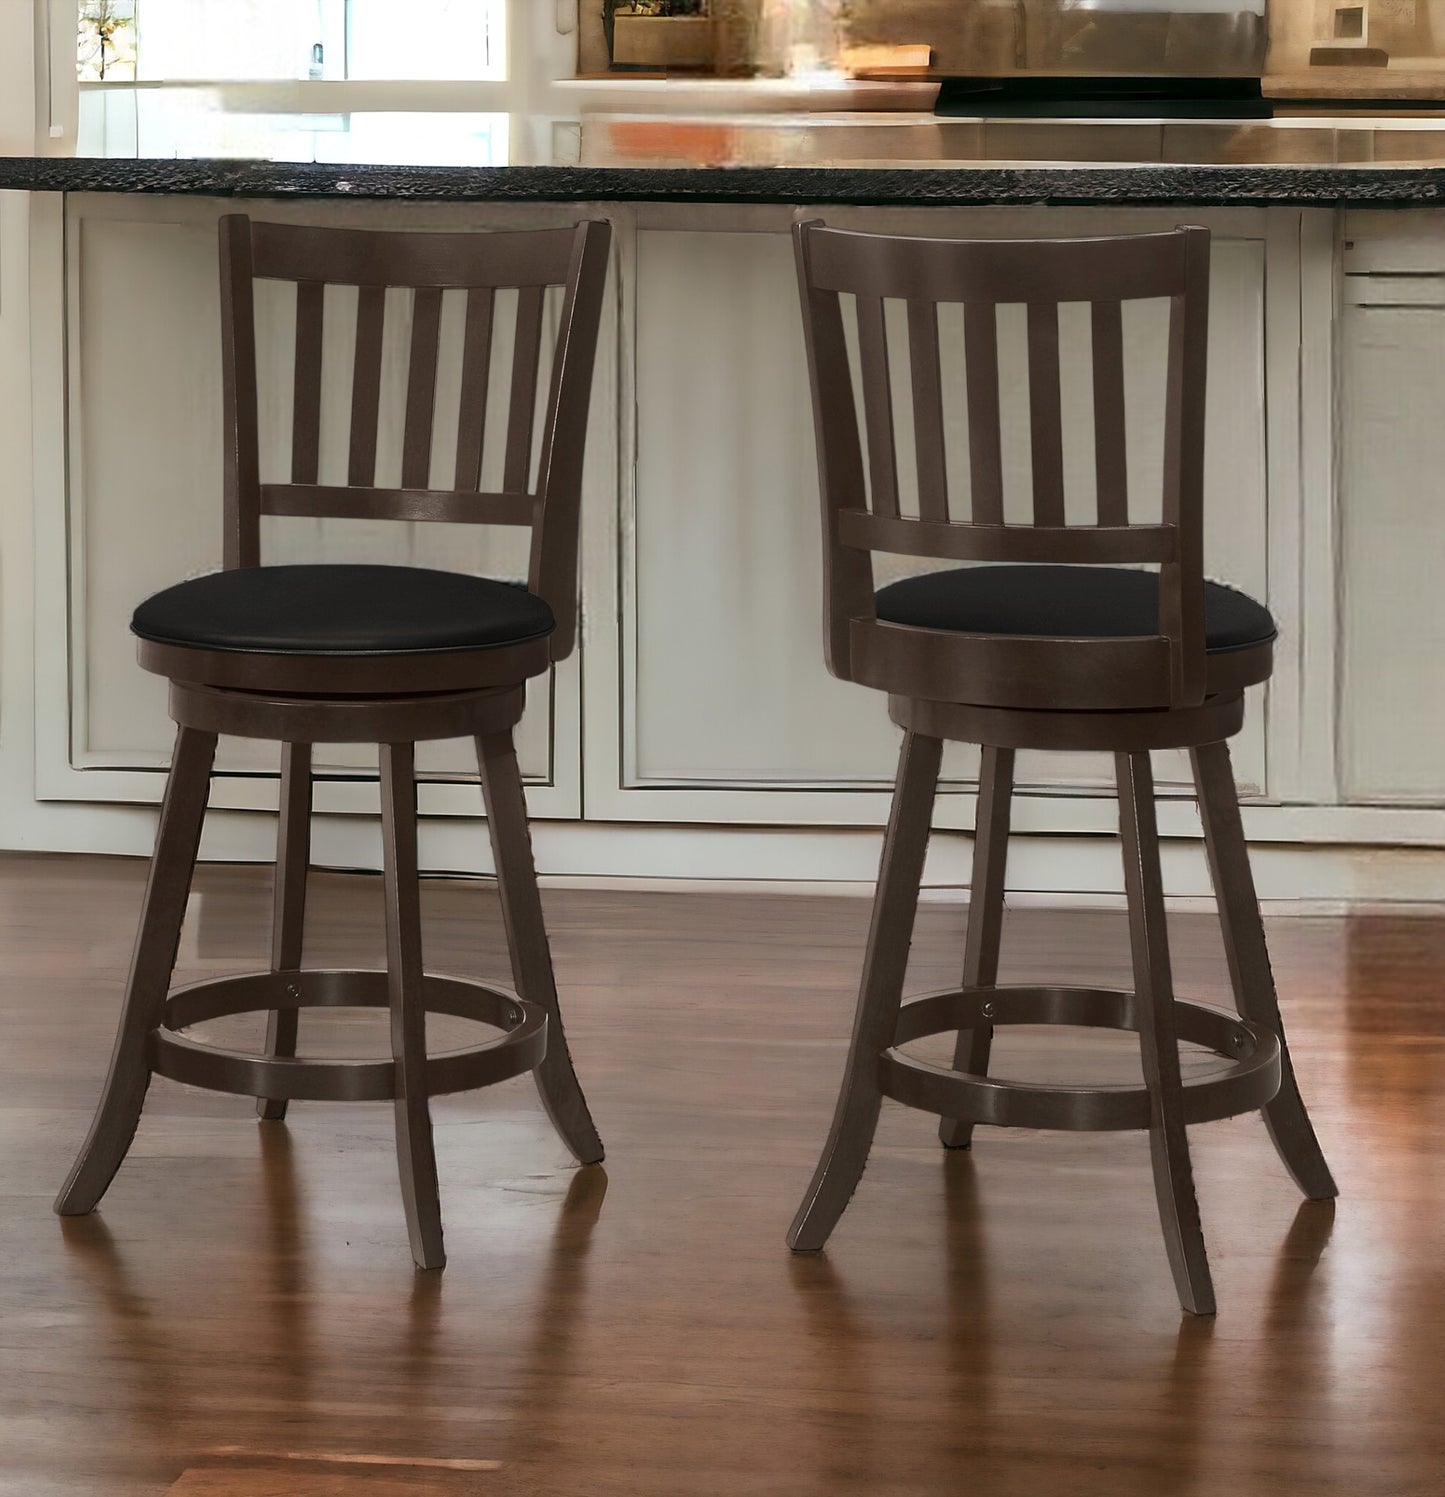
(1392,718)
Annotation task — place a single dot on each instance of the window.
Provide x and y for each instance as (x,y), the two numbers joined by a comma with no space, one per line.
(259,40)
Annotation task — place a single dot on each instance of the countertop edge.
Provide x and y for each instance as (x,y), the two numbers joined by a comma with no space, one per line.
(1147,185)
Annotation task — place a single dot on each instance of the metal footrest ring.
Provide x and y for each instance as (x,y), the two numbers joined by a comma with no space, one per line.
(1248,1084)
(520,1048)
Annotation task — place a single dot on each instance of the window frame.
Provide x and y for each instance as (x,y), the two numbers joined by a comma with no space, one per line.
(510,11)
(540,49)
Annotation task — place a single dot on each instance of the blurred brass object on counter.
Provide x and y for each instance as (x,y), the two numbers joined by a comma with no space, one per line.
(887,140)
(888,61)
(642,41)
(1333,55)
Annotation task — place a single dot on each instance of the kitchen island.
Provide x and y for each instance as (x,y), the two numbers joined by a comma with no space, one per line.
(700,536)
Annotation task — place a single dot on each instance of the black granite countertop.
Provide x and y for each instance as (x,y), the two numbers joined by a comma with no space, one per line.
(877,159)
(1148,185)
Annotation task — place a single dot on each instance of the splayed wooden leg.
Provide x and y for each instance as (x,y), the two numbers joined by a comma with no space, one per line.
(1249,968)
(288,917)
(415,1152)
(531,955)
(985,919)
(1158,1039)
(162,912)
(880,994)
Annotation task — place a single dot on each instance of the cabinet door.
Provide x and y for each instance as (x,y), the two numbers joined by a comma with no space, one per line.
(143,507)
(1392,718)
(727,710)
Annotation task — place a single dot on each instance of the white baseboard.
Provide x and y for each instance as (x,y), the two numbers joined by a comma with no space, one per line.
(1302,877)
(1043,871)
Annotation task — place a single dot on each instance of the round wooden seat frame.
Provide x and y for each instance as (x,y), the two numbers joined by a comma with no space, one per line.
(1007,692)
(394,699)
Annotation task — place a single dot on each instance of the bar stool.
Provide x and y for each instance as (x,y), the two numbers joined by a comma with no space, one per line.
(391,655)
(1061,643)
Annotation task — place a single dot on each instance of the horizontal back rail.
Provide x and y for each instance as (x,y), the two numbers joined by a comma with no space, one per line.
(1135,268)
(378,257)
(339,502)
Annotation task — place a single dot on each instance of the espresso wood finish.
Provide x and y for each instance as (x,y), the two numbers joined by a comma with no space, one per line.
(178,839)
(394,697)
(884,968)
(1036,690)
(288,910)
(985,918)
(527,940)
(241,1317)
(1249,969)
(1158,1037)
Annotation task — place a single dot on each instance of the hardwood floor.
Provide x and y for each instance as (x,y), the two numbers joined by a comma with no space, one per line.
(242,1317)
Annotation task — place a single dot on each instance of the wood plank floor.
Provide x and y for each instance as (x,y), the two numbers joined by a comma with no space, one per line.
(242,1318)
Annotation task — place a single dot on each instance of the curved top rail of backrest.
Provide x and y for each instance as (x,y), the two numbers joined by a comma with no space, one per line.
(477,266)
(381,257)
(1131,268)
(862,512)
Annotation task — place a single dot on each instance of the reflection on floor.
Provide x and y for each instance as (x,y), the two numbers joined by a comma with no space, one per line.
(243,1318)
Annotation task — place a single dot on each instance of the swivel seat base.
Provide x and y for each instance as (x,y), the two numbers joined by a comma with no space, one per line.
(1259,1076)
(151,1039)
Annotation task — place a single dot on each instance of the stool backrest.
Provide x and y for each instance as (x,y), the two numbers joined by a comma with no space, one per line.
(861,511)
(477,265)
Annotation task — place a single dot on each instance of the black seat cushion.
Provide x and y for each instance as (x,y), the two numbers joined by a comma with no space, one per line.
(1066,603)
(342,610)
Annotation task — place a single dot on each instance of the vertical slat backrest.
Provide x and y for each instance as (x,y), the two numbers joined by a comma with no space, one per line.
(1111,440)
(985,437)
(526,358)
(847,571)
(928,411)
(421,388)
(476,374)
(1046,417)
(366,385)
(306,403)
(241,455)
(1181,587)
(862,510)
(878,403)
(476,266)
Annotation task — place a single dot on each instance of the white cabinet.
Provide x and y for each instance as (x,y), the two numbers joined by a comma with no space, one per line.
(698,701)
(1392,510)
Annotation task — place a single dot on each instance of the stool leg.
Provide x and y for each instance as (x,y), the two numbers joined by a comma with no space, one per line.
(415,1152)
(1249,970)
(163,910)
(288,911)
(880,994)
(527,941)
(1158,1037)
(985,919)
